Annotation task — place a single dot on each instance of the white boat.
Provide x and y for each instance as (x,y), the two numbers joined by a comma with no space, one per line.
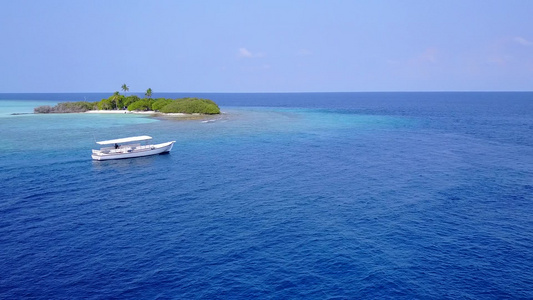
(129,148)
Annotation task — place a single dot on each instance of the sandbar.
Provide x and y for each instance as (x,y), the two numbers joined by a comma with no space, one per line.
(150,113)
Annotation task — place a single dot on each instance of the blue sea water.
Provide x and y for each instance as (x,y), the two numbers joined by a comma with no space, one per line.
(283,196)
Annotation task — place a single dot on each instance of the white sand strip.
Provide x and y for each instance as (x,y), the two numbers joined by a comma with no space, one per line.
(139,113)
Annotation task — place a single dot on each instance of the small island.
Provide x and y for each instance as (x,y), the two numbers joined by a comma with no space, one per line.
(122,103)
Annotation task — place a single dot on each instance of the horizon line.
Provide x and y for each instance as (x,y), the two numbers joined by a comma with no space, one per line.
(293,92)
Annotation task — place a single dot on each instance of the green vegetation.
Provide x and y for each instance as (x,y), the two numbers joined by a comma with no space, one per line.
(125,88)
(134,103)
(141,105)
(66,107)
(160,103)
(127,101)
(191,106)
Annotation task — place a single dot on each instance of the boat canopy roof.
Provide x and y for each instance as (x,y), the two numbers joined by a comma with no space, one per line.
(126,140)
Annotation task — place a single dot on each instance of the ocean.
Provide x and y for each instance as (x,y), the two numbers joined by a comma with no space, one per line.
(282,196)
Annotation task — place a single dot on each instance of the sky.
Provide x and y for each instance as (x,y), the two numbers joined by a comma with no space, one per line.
(266,46)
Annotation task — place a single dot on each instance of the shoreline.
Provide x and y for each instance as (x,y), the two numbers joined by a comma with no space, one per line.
(139,113)
(184,116)
(193,116)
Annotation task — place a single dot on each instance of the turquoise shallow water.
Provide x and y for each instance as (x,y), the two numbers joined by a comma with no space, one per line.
(342,195)
(10,107)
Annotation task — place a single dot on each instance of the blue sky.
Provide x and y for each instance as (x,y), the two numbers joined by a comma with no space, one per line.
(266,46)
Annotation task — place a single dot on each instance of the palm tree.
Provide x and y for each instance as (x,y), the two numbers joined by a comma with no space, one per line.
(148,93)
(115,98)
(125,88)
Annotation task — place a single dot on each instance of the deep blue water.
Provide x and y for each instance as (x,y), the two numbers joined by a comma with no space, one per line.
(309,196)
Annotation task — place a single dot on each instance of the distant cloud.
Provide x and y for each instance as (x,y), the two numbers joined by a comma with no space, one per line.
(425,57)
(522,41)
(500,60)
(304,52)
(243,52)
(428,56)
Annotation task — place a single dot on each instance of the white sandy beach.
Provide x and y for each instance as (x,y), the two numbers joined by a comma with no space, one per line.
(120,112)
(140,113)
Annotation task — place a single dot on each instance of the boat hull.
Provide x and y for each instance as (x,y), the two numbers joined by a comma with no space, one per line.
(151,150)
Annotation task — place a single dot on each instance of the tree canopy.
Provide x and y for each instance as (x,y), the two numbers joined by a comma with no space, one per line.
(134,103)
(125,88)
